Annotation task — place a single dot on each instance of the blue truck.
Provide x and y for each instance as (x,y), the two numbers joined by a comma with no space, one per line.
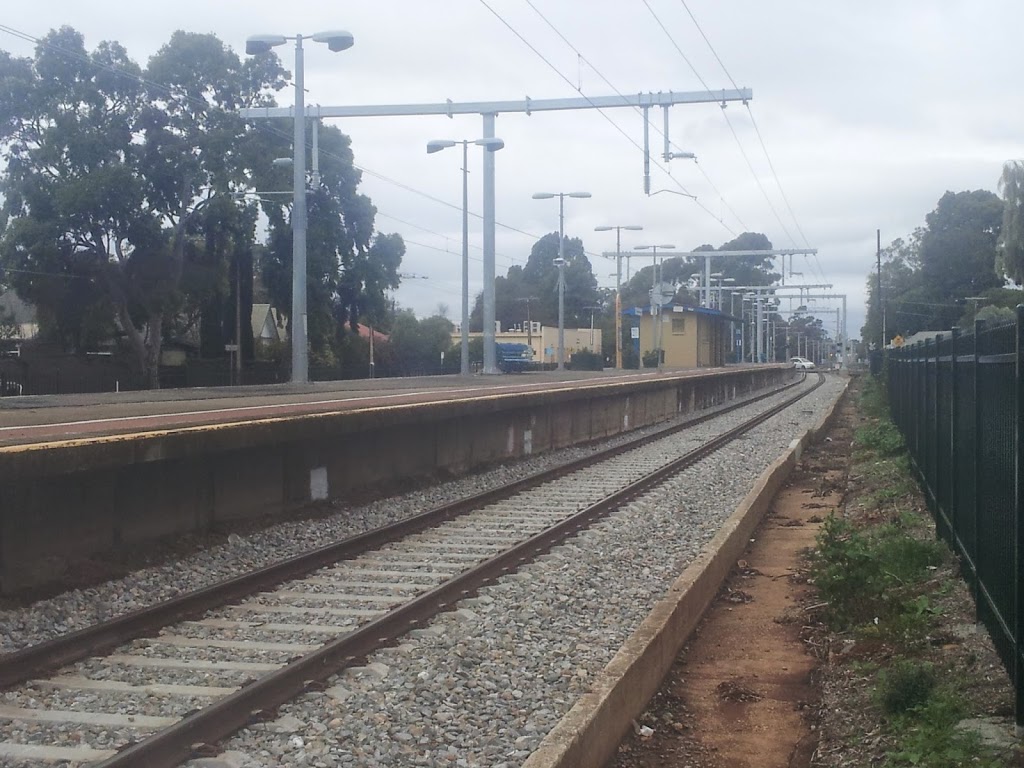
(514,358)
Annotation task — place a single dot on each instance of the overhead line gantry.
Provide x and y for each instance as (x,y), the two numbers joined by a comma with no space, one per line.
(489,110)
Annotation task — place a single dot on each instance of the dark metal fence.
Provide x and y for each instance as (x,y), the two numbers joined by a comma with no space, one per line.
(959,401)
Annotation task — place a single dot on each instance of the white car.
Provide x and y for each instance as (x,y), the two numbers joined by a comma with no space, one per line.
(801,362)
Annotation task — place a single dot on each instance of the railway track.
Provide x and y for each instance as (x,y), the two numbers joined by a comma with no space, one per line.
(263,645)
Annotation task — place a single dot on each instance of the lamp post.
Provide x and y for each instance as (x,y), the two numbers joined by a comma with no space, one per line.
(749,298)
(560,263)
(618,283)
(336,41)
(489,145)
(655,303)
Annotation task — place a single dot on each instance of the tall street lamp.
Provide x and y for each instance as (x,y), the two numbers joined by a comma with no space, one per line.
(336,41)
(560,263)
(655,301)
(489,145)
(618,283)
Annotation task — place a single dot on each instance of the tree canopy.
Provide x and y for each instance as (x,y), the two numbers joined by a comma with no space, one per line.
(127,200)
(1010,257)
(531,290)
(944,271)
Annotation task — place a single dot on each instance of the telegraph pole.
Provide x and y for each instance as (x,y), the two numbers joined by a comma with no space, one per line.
(881,304)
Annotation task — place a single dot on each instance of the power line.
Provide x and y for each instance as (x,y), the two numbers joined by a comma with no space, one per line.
(603,114)
(713,51)
(760,138)
(635,109)
(739,144)
(752,121)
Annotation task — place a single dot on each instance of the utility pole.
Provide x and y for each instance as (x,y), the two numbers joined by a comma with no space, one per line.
(618,283)
(881,304)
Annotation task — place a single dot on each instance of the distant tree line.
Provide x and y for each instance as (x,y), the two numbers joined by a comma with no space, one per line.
(960,266)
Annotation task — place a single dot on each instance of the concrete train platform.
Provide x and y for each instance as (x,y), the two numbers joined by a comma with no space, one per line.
(35,419)
(85,474)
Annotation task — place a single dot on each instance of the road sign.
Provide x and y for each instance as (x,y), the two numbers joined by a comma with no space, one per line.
(663,293)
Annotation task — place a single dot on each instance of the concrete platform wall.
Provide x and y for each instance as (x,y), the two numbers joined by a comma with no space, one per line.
(59,503)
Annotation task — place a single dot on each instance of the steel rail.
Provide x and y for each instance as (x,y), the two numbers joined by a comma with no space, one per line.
(258,700)
(101,638)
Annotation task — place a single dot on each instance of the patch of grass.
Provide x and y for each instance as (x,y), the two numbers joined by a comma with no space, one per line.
(882,437)
(867,577)
(925,734)
(874,399)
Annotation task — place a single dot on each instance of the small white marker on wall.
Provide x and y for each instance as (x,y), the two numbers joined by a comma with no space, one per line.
(318,490)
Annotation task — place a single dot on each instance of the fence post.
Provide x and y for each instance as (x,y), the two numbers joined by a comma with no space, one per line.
(936,471)
(920,404)
(1018,545)
(979,326)
(954,415)
(931,368)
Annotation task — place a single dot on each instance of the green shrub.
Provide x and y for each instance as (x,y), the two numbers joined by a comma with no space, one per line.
(866,577)
(846,573)
(905,558)
(926,736)
(905,685)
(874,400)
(585,360)
(882,437)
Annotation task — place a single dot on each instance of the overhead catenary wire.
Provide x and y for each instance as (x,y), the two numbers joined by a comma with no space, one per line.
(760,138)
(753,122)
(636,110)
(739,144)
(607,117)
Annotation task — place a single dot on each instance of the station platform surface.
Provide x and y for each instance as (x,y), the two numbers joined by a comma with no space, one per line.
(32,420)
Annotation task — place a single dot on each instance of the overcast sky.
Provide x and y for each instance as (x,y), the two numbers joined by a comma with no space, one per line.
(870,110)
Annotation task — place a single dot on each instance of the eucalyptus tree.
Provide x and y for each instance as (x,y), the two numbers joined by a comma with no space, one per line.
(536,283)
(81,225)
(1010,257)
(350,267)
(110,170)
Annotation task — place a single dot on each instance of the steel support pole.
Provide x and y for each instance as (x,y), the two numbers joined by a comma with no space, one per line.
(707,281)
(561,281)
(757,334)
(464,364)
(1018,526)
(656,313)
(618,298)
(300,355)
(490,361)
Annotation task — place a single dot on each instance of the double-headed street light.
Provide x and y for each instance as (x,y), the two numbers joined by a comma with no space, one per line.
(655,300)
(489,145)
(560,263)
(618,283)
(336,41)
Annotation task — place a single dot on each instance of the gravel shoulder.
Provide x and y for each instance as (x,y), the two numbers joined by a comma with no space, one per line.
(799,692)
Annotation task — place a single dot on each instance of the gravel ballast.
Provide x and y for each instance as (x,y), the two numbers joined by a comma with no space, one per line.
(482,685)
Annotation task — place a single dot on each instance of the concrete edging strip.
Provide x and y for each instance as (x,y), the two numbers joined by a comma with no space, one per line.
(591,731)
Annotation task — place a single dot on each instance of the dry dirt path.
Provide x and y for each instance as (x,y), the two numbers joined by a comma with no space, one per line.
(742,693)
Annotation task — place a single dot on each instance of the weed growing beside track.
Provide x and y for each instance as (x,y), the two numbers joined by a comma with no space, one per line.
(908,678)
